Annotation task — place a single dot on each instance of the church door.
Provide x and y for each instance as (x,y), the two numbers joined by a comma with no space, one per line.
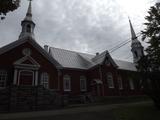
(26,78)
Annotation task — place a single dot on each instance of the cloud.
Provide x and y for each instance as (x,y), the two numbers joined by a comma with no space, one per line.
(80,25)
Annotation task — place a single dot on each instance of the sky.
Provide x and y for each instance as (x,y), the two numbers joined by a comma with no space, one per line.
(87,26)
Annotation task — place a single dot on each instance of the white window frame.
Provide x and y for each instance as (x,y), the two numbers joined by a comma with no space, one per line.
(131,84)
(83,81)
(67,78)
(3,78)
(141,84)
(110,80)
(120,83)
(45,80)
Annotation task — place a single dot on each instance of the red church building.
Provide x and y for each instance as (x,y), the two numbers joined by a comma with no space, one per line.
(25,63)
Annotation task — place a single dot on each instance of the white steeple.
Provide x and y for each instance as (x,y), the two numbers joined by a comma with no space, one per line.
(136,47)
(27,24)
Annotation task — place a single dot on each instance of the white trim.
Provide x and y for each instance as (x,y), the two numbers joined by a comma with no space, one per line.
(67,78)
(20,62)
(45,79)
(110,81)
(120,83)
(26,67)
(83,78)
(131,84)
(36,78)
(4,74)
(15,77)
(26,71)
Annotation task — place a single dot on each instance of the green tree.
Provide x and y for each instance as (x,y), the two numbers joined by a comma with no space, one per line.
(149,65)
(7,6)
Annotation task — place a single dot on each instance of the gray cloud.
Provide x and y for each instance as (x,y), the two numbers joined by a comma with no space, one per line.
(80,25)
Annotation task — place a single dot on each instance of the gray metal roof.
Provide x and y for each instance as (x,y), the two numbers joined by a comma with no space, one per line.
(99,58)
(125,65)
(71,59)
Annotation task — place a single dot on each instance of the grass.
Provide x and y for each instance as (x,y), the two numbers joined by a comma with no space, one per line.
(137,112)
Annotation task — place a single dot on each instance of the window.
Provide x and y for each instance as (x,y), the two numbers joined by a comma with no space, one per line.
(120,83)
(131,84)
(141,84)
(83,84)
(136,54)
(110,80)
(3,78)
(29,28)
(45,80)
(67,83)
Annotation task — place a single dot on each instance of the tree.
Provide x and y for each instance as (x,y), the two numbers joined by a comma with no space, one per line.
(149,64)
(7,6)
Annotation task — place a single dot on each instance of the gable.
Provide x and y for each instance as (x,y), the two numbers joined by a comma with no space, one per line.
(15,50)
(27,60)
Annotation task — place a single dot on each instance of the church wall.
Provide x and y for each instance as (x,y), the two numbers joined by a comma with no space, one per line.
(75,81)
(126,76)
(7,60)
(94,74)
(110,91)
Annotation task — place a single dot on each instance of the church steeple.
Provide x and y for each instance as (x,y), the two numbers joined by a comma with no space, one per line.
(136,47)
(27,24)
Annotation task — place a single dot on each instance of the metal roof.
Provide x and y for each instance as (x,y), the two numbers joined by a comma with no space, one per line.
(71,59)
(125,65)
(77,60)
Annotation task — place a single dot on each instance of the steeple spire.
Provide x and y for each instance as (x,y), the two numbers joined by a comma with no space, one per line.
(136,47)
(27,24)
(29,12)
(133,34)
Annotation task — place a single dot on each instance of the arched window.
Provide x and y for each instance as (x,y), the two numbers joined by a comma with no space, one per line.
(29,28)
(45,80)
(3,78)
(120,83)
(67,83)
(131,84)
(83,83)
(110,80)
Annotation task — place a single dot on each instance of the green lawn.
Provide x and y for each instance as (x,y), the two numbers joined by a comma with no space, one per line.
(138,112)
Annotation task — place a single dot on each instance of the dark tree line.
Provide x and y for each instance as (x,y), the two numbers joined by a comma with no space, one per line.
(149,65)
(7,6)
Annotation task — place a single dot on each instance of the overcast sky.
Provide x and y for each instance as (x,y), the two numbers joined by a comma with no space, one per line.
(88,26)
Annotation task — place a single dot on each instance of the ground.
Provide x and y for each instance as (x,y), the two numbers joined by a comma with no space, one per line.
(128,111)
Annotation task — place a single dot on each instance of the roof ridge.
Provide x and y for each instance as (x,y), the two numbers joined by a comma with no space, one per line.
(122,60)
(73,51)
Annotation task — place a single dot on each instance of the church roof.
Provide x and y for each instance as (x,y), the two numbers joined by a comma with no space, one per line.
(125,65)
(71,59)
(77,60)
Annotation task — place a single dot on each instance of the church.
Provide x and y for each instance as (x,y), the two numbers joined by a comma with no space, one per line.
(25,63)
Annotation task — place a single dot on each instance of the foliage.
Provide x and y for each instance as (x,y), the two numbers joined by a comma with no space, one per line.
(152,35)
(149,65)
(7,6)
